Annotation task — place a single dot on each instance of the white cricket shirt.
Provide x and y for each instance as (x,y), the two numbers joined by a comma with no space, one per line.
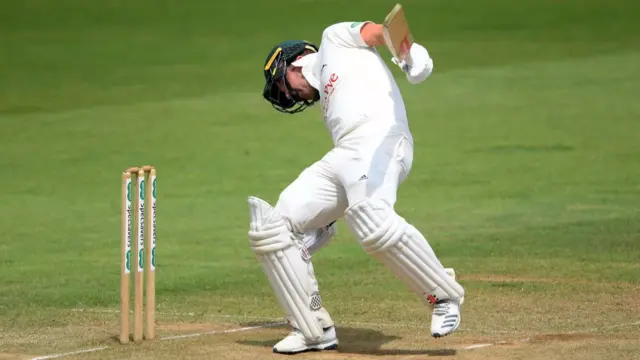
(358,94)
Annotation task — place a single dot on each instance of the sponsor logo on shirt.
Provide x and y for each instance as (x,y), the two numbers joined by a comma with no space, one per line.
(330,86)
(328,90)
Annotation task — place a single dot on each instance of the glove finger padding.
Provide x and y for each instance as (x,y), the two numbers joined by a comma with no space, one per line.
(422,64)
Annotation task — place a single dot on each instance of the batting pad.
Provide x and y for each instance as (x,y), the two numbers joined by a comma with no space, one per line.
(287,264)
(402,248)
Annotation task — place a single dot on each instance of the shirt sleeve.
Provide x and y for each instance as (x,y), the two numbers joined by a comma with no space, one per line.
(345,34)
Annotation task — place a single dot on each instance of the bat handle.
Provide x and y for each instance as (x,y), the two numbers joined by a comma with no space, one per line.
(408,60)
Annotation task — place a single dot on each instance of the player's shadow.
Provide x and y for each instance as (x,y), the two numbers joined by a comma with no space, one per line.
(356,341)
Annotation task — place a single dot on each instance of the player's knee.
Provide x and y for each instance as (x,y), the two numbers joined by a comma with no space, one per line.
(291,209)
(376,224)
(286,202)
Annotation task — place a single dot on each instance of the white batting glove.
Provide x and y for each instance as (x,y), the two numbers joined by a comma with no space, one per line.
(419,66)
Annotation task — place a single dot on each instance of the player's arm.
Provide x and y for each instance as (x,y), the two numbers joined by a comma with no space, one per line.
(422,64)
(354,34)
(371,34)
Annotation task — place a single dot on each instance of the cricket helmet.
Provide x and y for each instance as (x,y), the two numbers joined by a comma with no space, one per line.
(275,71)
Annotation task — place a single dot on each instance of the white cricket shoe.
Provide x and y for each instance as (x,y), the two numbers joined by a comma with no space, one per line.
(445,318)
(295,342)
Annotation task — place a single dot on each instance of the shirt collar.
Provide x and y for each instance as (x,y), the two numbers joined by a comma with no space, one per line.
(308,65)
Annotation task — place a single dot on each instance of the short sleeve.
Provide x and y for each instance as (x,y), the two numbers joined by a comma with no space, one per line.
(345,34)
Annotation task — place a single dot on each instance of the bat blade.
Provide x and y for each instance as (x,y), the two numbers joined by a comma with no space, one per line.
(397,34)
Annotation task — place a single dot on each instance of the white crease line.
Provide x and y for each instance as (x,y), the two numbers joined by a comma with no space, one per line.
(379,324)
(476,346)
(469,347)
(253,318)
(56,356)
(248,328)
(480,346)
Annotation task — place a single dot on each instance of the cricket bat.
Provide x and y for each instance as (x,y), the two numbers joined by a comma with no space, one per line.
(397,35)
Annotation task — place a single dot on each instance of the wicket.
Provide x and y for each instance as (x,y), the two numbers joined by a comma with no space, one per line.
(134,197)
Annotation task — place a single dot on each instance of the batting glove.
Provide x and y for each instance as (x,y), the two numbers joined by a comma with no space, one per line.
(420,65)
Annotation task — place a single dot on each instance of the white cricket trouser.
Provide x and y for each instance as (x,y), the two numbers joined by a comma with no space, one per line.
(354,170)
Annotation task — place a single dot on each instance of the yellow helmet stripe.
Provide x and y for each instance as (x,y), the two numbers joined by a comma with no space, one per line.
(273,58)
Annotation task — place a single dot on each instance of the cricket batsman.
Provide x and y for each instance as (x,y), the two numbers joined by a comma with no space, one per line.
(357,179)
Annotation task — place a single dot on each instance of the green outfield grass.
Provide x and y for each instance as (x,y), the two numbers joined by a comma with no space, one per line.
(526,176)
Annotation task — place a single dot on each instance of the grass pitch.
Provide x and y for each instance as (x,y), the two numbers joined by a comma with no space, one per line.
(525,176)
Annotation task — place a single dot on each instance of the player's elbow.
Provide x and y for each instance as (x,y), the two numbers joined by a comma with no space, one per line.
(372,34)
